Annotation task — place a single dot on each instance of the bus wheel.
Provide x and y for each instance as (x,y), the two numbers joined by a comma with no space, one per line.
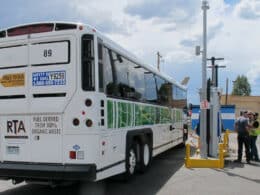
(145,156)
(131,160)
(185,133)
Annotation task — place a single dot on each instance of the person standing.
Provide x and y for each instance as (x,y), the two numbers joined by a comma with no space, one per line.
(253,136)
(242,129)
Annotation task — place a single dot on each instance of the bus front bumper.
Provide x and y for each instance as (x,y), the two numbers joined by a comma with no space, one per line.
(31,171)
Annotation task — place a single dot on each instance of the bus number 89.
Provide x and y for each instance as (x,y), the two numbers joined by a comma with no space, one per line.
(47,53)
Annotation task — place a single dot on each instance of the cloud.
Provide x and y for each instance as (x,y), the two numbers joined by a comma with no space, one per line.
(214,30)
(189,42)
(248,9)
(16,12)
(231,2)
(179,56)
(196,39)
(167,11)
(253,74)
(103,17)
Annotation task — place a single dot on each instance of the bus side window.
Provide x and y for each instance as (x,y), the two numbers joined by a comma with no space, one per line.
(150,87)
(100,67)
(105,71)
(179,97)
(88,71)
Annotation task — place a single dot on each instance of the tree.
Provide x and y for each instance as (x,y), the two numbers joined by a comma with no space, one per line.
(241,86)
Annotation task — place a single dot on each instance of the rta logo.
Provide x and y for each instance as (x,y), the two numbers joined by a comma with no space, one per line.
(15,126)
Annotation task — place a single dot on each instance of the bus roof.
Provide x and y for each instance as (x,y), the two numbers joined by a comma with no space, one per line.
(50,26)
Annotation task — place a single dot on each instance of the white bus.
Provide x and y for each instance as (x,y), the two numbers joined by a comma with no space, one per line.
(76,106)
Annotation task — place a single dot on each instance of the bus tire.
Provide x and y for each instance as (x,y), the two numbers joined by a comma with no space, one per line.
(184,136)
(145,156)
(131,160)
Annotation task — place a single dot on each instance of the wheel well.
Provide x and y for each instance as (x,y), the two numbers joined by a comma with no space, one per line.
(139,136)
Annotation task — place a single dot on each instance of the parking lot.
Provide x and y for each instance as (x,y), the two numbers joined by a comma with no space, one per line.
(167,176)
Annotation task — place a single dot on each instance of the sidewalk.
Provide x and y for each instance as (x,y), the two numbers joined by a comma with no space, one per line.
(234,179)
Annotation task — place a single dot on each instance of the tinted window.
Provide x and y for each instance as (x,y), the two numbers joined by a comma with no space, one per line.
(150,87)
(2,34)
(122,78)
(164,91)
(64,26)
(121,67)
(107,74)
(100,67)
(87,59)
(178,93)
(179,97)
(136,81)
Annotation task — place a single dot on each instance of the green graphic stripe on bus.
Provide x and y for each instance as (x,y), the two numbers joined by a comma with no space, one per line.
(178,116)
(124,114)
(110,114)
(130,115)
(165,115)
(145,115)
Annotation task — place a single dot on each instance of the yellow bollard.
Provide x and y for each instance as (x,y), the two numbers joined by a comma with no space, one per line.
(191,162)
(221,156)
(226,143)
(187,156)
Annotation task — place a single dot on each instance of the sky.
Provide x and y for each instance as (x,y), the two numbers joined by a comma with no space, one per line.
(172,27)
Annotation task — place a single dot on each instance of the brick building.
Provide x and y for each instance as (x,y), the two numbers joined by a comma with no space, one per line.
(251,103)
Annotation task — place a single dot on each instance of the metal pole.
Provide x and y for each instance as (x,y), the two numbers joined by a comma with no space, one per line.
(213,78)
(226,91)
(203,117)
(158,60)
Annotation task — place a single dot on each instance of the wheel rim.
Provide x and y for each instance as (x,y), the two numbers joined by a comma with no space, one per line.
(132,161)
(146,156)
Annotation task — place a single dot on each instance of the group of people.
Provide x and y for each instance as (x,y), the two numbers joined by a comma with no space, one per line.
(247,128)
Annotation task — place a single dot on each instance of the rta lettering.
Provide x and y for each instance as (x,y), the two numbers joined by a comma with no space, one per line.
(15,126)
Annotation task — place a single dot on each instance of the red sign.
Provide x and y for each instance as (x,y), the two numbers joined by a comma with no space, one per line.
(204,104)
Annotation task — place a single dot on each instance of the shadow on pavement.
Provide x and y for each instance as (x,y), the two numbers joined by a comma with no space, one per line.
(33,189)
(163,167)
(230,165)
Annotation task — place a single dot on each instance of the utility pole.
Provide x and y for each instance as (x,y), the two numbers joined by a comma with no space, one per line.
(226,91)
(158,60)
(214,124)
(215,70)
(203,92)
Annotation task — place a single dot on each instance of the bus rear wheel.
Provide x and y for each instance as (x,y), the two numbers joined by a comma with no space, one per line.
(145,156)
(131,160)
